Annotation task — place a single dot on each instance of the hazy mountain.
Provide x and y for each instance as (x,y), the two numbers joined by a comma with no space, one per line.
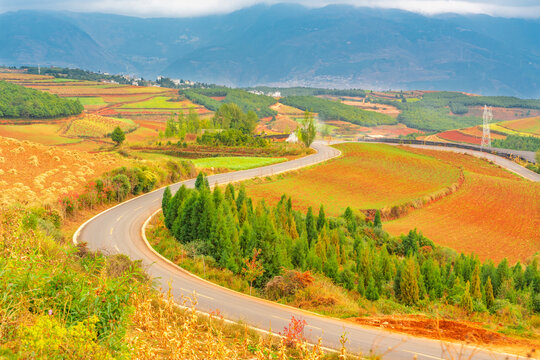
(334,46)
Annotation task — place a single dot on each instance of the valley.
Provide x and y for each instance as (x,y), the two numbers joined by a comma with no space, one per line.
(336,230)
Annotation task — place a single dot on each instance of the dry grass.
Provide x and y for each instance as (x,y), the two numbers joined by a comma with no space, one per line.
(33,173)
(161,329)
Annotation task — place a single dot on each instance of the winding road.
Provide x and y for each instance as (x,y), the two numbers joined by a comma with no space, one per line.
(120,230)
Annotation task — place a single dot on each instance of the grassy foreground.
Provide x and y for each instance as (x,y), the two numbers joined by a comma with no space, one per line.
(59,301)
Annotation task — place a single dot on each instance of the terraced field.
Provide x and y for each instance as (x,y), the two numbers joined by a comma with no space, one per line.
(46,134)
(367,176)
(96,126)
(528,126)
(473,135)
(495,214)
(143,109)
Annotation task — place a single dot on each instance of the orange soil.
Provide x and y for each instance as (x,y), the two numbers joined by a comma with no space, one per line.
(477,131)
(528,125)
(449,330)
(495,214)
(367,176)
(32,172)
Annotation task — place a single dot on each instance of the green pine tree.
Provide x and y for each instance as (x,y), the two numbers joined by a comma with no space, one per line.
(377,220)
(331,266)
(201,182)
(166,200)
(321,220)
(118,136)
(488,290)
(361,287)
(372,293)
(310,227)
(410,293)
(466,300)
(476,290)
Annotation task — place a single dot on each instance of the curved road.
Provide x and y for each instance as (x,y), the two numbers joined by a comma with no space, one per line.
(119,230)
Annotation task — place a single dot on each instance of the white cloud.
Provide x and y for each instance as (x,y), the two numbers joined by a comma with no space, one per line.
(185,8)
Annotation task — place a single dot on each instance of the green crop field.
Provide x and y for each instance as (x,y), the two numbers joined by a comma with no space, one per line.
(93,100)
(235,163)
(159,102)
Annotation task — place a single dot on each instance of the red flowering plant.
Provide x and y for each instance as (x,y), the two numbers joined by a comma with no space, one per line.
(68,203)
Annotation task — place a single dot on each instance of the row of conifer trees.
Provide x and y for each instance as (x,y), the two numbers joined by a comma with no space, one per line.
(353,252)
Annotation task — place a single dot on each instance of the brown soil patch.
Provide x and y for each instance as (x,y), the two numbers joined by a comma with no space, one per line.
(449,330)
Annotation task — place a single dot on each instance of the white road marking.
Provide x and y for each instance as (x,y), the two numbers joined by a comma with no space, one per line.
(311,326)
(118,219)
(197,294)
(280,318)
(420,354)
(116,247)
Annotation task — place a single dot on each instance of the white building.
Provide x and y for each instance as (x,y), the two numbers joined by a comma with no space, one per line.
(293,138)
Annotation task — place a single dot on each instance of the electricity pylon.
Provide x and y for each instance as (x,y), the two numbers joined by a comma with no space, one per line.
(486,134)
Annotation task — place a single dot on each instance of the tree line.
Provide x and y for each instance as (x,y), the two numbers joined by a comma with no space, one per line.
(260,104)
(335,110)
(351,251)
(16,101)
(516,142)
(435,110)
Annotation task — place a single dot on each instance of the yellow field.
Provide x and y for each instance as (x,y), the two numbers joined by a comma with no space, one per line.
(31,172)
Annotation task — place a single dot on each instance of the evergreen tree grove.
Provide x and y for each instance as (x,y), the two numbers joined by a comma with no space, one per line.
(226,226)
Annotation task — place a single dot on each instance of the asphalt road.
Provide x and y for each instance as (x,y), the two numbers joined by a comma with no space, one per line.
(119,230)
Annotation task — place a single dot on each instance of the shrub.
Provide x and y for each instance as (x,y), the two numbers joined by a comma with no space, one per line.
(48,338)
(121,186)
(68,203)
(287,284)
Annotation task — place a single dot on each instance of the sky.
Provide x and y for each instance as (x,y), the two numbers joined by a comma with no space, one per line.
(188,8)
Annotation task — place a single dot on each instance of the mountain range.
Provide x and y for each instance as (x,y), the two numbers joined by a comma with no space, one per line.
(337,46)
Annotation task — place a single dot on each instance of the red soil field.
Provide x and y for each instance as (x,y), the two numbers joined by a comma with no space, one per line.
(495,214)
(458,136)
(477,131)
